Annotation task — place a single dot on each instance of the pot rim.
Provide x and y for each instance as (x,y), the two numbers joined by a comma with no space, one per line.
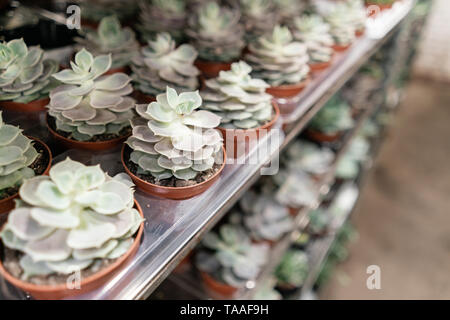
(82,143)
(128,171)
(27,107)
(267,125)
(26,286)
(46,171)
(301,84)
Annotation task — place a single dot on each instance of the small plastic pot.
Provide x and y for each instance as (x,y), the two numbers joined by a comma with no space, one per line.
(175,193)
(240,136)
(341,48)
(211,69)
(218,288)
(33,106)
(7,204)
(322,137)
(142,97)
(83,145)
(60,291)
(288,90)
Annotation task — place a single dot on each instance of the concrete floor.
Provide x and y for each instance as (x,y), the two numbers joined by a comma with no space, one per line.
(403,217)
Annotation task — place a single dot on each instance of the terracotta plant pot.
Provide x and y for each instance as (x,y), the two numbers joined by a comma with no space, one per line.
(211,69)
(341,48)
(360,33)
(221,289)
(320,66)
(33,106)
(7,204)
(60,291)
(124,69)
(293,211)
(175,193)
(322,137)
(141,97)
(240,136)
(80,145)
(288,90)
(184,264)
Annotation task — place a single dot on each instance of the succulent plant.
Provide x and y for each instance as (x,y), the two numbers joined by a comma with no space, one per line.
(348,165)
(110,37)
(293,269)
(162,64)
(318,220)
(267,292)
(16,155)
(174,139)
(333,118)
(216,33)
(162,16)
(297,190)
(95,10)
(258,17)
(278,59)
(24,74)
(230,257)
(357,14)
(88,104)
(289,9)
(238,99)
(70,219)
(339,17)
(264,217)
(309,157)
(314,32)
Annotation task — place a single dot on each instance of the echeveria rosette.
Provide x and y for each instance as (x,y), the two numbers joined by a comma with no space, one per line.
(239,99)
(162,16)
(289,9)
(343,28)
(258,17)
(278,59)
(230,257)
(264,217)
(314,32)
(174,139)
(68,220)
(89,103)
(334,117)
(216,33)
(16,155)
(24,74)
(162,64)
(309,157)
(357,14)
(293,269)
(110,37)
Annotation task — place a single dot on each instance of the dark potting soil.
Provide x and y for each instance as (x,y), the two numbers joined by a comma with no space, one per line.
(11,262)
(39,165)
(101,137)
(171,182)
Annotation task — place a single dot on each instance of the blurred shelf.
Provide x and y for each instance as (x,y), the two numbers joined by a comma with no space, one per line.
(173,228)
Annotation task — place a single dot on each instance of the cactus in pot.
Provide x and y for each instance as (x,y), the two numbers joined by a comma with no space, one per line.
(76,219)
(110,37)
(216,33)
(264,217)
(229,256)
(173,144)
(258,17)
(343,29)
(162,64)
(314,32)
(24,74)
(17,154)
(357,14)
(278,59)
(91,106)
(292,271)
(238,99)
(162,16)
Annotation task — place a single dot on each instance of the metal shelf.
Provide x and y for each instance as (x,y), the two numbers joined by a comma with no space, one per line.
(173,228)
